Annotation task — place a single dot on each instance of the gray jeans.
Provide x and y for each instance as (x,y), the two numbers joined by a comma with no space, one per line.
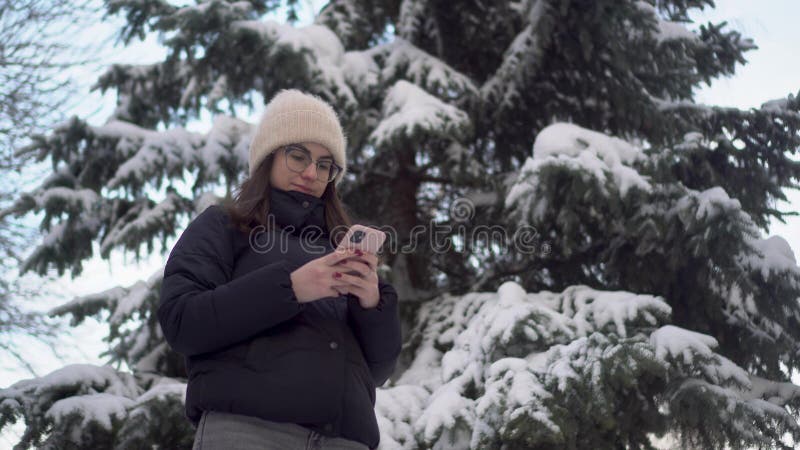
(224,431)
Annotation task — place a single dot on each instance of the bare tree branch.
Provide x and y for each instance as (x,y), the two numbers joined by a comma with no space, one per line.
(35,53)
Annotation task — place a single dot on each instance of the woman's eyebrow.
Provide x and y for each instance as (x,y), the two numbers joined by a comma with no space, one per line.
(308,152)
(300,147)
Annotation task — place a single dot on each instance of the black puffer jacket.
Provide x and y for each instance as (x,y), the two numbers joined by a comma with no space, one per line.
(251,348)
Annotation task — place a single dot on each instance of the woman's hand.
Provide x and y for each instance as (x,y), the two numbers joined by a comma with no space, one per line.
(318,278)
(365,285)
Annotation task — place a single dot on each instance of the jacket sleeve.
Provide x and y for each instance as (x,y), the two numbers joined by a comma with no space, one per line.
(201,309)
(378,331)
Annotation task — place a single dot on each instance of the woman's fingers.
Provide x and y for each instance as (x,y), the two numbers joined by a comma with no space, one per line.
(353,280)
(367,259)
(370,259)
(362,277)
(338,256)
(341,287)
(359,267)
(339,283)
(365,290)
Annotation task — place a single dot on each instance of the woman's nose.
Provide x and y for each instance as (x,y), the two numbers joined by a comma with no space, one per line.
(310,173)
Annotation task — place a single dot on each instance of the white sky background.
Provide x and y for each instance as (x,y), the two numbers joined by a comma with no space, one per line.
(773,71)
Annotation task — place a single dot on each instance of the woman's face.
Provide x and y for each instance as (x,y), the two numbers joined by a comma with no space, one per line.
(306,181)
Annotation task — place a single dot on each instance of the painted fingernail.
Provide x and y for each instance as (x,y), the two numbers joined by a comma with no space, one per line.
(337,275)
(359,252)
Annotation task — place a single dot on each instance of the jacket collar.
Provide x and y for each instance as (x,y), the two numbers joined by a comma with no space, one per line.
(296,209)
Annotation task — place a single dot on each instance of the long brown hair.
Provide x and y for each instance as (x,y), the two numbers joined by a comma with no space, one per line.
(250,204)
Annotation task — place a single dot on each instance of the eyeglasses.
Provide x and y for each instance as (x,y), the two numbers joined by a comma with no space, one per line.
(298,158)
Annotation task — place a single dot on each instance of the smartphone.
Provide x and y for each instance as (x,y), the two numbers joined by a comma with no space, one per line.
(364,238)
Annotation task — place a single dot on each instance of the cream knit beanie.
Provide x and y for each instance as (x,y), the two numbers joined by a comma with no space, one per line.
(292,117)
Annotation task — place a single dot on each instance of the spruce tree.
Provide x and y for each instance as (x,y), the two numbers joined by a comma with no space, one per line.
(600,278)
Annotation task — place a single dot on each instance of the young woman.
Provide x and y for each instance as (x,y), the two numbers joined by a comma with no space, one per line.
(285,338)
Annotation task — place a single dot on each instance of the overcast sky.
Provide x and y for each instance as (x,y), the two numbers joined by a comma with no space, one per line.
(772,71)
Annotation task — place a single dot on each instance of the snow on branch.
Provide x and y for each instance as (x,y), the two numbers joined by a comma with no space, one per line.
(667,30)
(148,154)
(89,305)
(777,393)
(59,199)
(747,420)
(344,18)
(227,145)
(141,346)
(481,342)
(403,60)
(521,58)
(771,257)
(66,244)
(318,46)
(410,111)
(415,20)
(361,71)
(100,408)
(396,409)
(704,206)
(86,403)
(612,311)
(142,222)
(678,346)
(608,161)
(96,393)
(528,369)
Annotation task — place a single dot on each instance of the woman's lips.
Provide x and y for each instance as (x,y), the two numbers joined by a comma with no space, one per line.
(302,188)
